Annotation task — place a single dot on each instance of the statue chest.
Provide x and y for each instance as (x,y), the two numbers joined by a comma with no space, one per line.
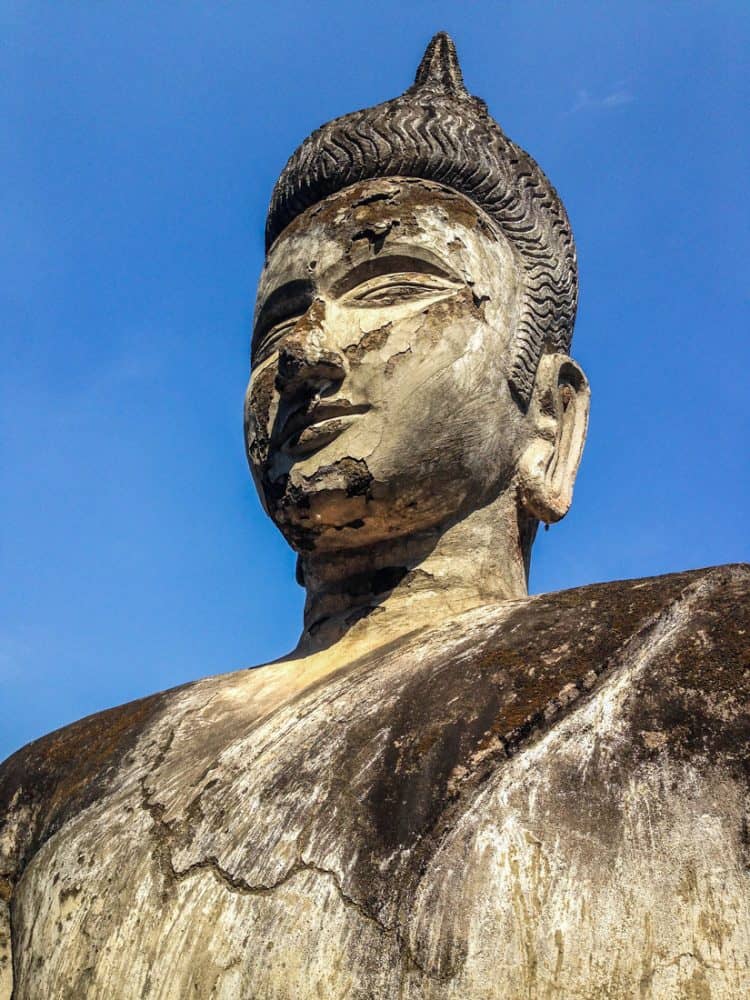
(526,806)
(568,871)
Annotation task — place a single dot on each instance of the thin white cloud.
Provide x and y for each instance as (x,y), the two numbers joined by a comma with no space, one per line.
(585,101)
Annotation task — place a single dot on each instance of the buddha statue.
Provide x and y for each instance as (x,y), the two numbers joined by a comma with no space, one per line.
(449,789)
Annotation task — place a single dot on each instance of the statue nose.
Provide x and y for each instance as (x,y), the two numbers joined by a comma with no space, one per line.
(304,357)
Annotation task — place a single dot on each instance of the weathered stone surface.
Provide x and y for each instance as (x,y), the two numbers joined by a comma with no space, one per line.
(437,131)
(449,789)
(543,798)
(413,411)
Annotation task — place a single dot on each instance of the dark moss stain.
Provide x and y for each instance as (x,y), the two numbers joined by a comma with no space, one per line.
(453,722)
(371,341)
(372,202)
(357,475)
(351,471)
(261,398)
(371,199)
(59,775)
(394,360)
(376,235)
(408,759)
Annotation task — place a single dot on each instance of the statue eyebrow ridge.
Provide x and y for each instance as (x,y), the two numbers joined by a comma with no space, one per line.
(390,264)
(290,299)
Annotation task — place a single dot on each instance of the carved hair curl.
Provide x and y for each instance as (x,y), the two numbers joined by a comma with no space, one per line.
(437,131)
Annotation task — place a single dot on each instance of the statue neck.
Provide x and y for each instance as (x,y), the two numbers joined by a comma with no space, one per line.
(359,600)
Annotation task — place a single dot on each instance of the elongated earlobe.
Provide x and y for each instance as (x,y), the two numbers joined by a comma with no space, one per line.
(559,412)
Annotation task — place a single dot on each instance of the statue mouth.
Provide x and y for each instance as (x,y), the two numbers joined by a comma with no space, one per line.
(307,429)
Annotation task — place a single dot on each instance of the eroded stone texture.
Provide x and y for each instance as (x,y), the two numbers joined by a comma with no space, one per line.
(413,411)
(545,798)
(449,789)
(437,131)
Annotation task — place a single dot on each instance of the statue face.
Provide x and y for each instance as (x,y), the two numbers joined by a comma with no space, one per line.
(378,404)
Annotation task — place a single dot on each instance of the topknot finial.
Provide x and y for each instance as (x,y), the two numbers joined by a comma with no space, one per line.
(439,68)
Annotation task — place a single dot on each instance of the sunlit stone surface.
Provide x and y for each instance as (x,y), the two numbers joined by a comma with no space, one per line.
(449,789)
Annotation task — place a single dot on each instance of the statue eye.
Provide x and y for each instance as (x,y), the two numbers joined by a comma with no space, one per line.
(270,340)
(390,289)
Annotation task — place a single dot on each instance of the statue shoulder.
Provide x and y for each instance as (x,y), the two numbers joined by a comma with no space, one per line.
(52,780)
(691,629)
(58,775)
(668,657)
(689,673)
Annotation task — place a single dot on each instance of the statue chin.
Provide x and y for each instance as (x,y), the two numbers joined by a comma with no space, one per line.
(340,507)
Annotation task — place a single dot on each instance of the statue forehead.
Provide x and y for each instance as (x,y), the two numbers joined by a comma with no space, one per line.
(420,218)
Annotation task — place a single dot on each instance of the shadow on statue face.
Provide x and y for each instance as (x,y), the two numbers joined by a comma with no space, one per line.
(378,404)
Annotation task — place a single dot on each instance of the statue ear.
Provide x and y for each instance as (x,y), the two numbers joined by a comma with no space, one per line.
(558,412)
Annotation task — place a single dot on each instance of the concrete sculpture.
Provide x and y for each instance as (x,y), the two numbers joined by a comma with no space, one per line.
(449,789)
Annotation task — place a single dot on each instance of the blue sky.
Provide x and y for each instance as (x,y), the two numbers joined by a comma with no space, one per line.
(141,142)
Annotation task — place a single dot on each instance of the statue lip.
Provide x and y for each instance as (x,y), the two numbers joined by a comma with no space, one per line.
(309,428)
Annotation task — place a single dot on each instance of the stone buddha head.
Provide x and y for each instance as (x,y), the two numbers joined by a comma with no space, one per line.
(414,316)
